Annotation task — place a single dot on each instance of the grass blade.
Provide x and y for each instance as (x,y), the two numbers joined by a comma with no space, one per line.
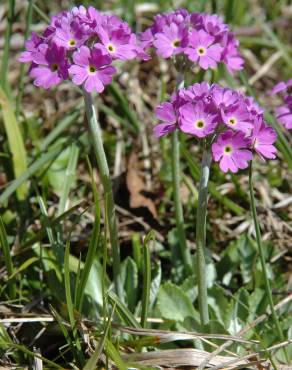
(33,354)
(8,260)
(39,164)
(277,43)
(22,67)
(94,240)
(69,178)
(5,55)
(146,277)
(124,105)
(123,311)
(23,267)
(91,363)
(64,331)
(16,144)
(115,356)
(60,127)
(69,302)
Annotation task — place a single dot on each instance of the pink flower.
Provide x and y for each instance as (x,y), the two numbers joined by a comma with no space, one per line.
(196,120)
(284,114)
(91,69)
(237,117)
(70,36)
(165,113)
(224,98)
(118,43)
(171,41)
(231,151)
(281,87)
(263,138)
(230,56)
(50,66)
(203,49)
(31,46)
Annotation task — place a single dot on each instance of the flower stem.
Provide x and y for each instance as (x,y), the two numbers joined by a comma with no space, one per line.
(201,237)
(96,136)
(262,255)
(175,164)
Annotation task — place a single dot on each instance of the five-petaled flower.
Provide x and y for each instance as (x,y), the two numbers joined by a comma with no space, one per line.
(230,150)
(203,49)
(92,68)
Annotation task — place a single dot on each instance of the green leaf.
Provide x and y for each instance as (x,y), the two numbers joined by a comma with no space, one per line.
(44,159)
(129,277)
(113,353)
(174,304)
(7,257)
(23,266)
(68,178)
(15,142)
(146,277)
(91,363)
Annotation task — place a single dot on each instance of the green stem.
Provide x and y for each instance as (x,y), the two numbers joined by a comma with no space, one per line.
(96,136)
(175,163)
(262,256)
(22,67)
(201,237)
(5,55)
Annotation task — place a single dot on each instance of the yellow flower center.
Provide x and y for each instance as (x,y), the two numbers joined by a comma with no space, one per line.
(54,67)
(200,124)
(111,48)
(201,50)
(72,42)
(228,149)
(91,69)
(175,43)
(232,121)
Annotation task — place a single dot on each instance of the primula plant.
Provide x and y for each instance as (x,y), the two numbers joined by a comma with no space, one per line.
(189,272)
(82,45)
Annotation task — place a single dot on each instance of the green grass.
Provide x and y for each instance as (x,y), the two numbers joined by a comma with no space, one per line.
(58,270)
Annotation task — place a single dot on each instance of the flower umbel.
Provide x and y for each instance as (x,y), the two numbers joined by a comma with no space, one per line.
(80,44)
(232,123)
(200,37)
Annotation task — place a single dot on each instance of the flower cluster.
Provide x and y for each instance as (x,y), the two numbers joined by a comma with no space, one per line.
(81,44)
(230,121)
(202,38)
(284,112)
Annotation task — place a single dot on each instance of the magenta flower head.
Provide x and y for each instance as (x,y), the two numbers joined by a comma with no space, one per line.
(284,112)
(201,38)
(231,124)
(81,45)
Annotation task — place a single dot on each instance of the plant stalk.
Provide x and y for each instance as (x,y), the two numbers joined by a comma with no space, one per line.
(201,237)
(96,137)
(175,165)
(262,256)
(22,67)
(6,48)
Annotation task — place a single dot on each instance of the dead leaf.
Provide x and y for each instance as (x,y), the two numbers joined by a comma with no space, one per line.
(136,186)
